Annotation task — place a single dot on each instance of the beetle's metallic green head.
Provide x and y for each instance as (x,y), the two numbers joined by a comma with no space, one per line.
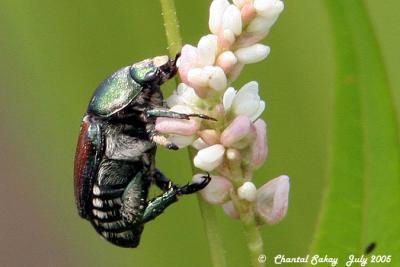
(154,71)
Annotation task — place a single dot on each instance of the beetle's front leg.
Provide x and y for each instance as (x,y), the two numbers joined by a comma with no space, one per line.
(163,112)
(158,138)
(157,205)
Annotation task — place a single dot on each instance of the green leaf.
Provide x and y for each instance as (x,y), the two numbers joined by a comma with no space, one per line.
(362,200)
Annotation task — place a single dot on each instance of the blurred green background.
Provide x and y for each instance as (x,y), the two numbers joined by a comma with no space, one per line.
(53,54)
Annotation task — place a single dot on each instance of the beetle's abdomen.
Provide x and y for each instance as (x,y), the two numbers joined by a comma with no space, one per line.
(107,219)
(106,200)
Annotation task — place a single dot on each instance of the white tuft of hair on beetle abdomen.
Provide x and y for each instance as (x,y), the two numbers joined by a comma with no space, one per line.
(106,215)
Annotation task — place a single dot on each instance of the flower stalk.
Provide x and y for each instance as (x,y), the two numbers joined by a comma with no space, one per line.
(235,144)
(171,26)
(217,252)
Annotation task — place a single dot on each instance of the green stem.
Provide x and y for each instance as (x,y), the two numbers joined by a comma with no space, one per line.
(253,236)
(217,252)
(255,244)
(171,26)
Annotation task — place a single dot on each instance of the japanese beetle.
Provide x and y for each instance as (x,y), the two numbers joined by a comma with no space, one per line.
(115,156)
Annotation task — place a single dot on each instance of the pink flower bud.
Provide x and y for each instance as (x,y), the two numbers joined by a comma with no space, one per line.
(188,60)
(272,200)
(259,150)
(230,210)
(209,136)
(235,72)
(226,61)
(238,133)
(226,38)
(178,126)
(217,191)
(250,38)
(248,12)
(210,157)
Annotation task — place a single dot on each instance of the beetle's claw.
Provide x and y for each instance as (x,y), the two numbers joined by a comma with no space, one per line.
(172,146)
(194,187)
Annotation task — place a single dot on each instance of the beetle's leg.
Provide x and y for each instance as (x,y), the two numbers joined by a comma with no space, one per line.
(134,199)
(158,138)
(194,187)
(162,181)
(157,205)
(163,112)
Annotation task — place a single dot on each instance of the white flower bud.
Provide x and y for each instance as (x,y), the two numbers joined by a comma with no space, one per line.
(229,36)
(232,20)
(216,77)
(233,154)
(198,77)
(247,191)
(252,54)
(239,3)
(226,61)
(269,9)
(207,48)
(199,144)
(180,140)
(228,97)
(217,9)
(259,24)
(209,158)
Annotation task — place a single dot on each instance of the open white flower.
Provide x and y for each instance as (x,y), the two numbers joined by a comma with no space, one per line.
(184,96)
(245,102)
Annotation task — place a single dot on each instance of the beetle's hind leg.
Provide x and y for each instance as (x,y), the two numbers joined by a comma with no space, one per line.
(165,184)
(194,187)
(157,205)
(162,181)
